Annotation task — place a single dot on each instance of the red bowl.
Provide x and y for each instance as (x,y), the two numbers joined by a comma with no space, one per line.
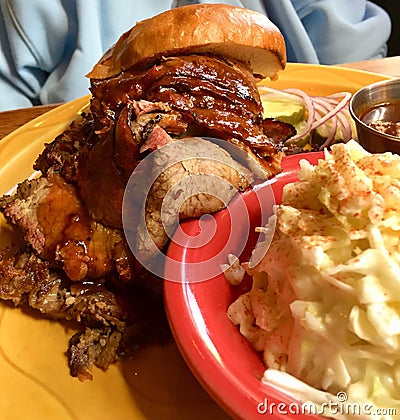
(220,358)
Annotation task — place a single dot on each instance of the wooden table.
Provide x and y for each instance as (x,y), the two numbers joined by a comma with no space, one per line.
(11,120)
(389,66)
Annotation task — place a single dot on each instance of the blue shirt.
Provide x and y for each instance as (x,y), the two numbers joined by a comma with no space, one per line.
(47,46)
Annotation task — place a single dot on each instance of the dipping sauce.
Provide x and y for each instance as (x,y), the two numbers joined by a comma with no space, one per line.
(384,118)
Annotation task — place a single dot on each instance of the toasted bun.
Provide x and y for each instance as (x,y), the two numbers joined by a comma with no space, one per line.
(232,32)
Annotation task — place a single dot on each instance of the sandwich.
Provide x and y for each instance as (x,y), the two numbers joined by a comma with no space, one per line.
(186,77)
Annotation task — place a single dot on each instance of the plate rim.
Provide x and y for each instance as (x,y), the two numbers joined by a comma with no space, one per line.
(184,315)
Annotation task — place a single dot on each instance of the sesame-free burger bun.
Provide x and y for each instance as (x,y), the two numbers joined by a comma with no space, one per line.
(232,32)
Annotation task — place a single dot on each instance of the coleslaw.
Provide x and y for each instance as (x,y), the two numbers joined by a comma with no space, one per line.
(325,300)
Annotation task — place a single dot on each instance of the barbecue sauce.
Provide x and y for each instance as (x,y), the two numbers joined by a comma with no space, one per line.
(384,117)
(216,97)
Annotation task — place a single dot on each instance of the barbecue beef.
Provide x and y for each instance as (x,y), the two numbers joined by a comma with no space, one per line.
(214,97)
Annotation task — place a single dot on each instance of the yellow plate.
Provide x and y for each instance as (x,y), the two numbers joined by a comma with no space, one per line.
(35,381)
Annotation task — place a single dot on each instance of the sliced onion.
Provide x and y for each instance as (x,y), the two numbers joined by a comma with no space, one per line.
(331,137)
(267,91)
(310,110)
(343,123)
(319,111)
(333,112)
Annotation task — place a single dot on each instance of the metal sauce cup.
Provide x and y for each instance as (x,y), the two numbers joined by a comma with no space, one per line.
(380,93)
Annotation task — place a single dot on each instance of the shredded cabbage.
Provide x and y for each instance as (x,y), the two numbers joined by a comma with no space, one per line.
(325,302)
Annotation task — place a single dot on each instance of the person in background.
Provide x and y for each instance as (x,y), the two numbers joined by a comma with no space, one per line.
(47,46)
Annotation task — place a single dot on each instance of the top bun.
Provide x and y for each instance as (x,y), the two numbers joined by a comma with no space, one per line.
(239,34)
